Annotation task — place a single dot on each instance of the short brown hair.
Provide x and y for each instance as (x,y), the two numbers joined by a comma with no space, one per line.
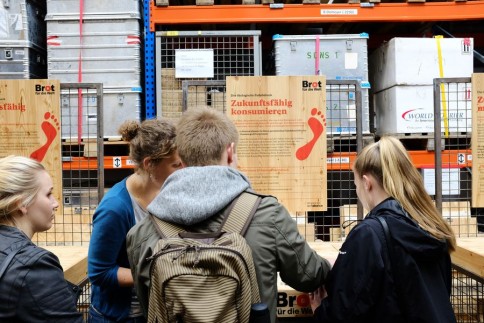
(202,136)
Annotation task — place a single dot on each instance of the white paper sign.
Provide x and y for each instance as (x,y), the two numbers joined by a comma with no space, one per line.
(450,181)
(194,63)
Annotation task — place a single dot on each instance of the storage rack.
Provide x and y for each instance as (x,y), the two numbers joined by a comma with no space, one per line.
(294,13)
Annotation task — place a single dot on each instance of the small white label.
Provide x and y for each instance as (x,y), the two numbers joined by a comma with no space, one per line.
(339,12)
(461,159)
(351,61)
(338,160)
(117,162)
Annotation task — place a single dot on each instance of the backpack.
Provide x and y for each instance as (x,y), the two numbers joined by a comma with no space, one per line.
(204,277)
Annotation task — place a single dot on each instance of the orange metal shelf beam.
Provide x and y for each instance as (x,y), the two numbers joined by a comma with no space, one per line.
(295,13)
(84,163)
(336,161)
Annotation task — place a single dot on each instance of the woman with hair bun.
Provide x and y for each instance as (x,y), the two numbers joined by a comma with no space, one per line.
(395,265)
(32,284)
(152,150)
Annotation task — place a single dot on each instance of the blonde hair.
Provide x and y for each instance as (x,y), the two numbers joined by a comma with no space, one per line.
(153,138)
(19,184)
(203,134)
(388,161)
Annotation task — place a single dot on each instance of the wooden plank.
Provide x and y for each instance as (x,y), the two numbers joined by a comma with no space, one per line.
(73,260)
(469,255)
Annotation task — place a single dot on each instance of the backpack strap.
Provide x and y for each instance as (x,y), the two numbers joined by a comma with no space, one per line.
(165,229)
(241,214)
(393,267)
(237,217)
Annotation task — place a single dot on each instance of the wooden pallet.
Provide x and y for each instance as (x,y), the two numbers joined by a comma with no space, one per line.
(426,141)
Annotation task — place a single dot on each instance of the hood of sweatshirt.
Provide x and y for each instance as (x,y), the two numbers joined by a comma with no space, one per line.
(193,194)
(407,233)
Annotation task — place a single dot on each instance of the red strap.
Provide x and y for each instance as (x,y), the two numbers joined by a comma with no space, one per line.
(79,74)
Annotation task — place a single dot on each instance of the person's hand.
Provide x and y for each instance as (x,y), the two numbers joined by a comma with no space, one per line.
(316,297)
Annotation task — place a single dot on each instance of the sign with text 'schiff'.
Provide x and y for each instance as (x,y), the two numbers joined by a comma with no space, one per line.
(478,140)
(30,124)
(282,127)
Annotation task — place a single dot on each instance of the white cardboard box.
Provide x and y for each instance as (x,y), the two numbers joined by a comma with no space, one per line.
(415,61)
(410,109)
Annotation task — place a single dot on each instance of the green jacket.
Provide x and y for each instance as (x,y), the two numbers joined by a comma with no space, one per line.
(276,247)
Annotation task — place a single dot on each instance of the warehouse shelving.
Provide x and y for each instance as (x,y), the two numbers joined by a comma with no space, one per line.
(293,13)
(338,161)
(343,13)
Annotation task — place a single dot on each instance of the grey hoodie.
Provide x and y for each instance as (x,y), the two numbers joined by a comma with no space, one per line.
(193,194)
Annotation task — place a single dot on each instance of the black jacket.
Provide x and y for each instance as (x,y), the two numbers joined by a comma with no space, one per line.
(361,287)
(33,288)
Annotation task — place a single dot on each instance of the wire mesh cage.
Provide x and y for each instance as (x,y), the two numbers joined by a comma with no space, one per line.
(453,181)
(234,53)
(84,300)
(467,296)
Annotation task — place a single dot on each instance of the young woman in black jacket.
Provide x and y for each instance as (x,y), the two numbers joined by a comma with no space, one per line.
(32,287)
(403,274)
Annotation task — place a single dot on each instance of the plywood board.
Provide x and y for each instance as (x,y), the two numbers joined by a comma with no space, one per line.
(469,255)
(477,140)
(282,146)
(73,260)
(30,124)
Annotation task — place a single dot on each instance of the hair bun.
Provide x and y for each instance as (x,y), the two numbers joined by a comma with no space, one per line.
(129,130)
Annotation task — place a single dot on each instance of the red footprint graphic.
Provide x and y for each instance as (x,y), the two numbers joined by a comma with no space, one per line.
(317,127)
(50,132)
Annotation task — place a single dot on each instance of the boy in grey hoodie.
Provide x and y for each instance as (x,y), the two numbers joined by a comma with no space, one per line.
(197,196)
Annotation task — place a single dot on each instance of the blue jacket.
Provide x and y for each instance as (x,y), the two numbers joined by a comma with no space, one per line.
(361,287)
(107,252)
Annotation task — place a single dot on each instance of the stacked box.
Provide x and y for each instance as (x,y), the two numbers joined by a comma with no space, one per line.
(340,57)
(402,73)
(23,40)
(107,52)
